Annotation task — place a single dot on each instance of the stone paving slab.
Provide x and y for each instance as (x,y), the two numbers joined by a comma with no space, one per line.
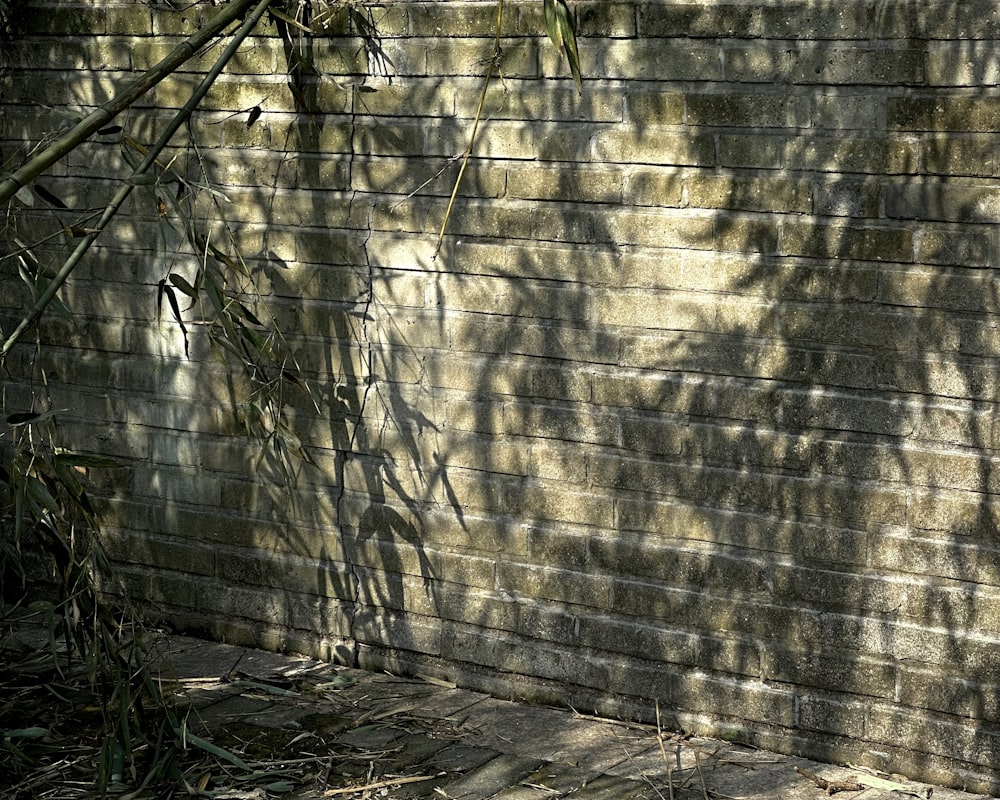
(372,736)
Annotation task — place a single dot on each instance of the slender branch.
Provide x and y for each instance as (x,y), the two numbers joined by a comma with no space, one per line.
(122,194)
(99,118)
(494,62)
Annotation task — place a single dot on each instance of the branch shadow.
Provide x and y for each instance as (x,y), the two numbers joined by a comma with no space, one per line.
(695,406)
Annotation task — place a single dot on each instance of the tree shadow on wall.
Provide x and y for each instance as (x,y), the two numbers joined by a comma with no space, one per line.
(722,436)
(820,493)
(694,406)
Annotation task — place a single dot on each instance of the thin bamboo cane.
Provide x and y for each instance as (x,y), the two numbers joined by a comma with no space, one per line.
(100,117)
(122,194)
(494,63)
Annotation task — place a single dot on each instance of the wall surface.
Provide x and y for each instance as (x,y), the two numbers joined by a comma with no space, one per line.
(696,405)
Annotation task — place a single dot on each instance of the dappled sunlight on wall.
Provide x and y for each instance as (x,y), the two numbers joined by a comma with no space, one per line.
(694,404)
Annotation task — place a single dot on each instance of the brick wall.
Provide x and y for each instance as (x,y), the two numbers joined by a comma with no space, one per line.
(695,406)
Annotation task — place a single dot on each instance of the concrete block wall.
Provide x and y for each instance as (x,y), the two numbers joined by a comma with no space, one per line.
(695,406)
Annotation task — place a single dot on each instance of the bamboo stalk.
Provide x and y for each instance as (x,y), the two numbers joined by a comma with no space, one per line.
(122,194)
(494,63)
(100,117)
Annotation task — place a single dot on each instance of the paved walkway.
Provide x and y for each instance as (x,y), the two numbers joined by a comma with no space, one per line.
(355,735)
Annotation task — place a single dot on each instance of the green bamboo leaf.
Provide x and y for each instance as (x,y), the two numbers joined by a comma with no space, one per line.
(223,343)
(252,336)
(214,295)
(143,179)
(40,494)
(569,40)
(196,741)
(552,24)
(181,283)
(279,787)
(369,728)
(38,284)
(24,269)
(559,25)
(24,254)
(82,500)
(222,258)
(29,418)
(78,231)
(160,288)
(246,312)
(26,733)
(68,477)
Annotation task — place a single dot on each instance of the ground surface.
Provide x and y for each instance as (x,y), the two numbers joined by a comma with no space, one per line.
(375,735)
(258,725)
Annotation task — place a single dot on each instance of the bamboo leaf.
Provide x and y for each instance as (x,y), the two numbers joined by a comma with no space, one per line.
(26,733)
(249,315)
(100,117)
(552,26)
(214,295)
(181,283)
(68,478)
(22,418)
(26,257)
(257,775)
(223,343)
(569,40)
(39,492)
(143,179)
(57,305)
(28,418)
(252,336)
(559,25)
(279,787)
(222,258)
(211,749)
